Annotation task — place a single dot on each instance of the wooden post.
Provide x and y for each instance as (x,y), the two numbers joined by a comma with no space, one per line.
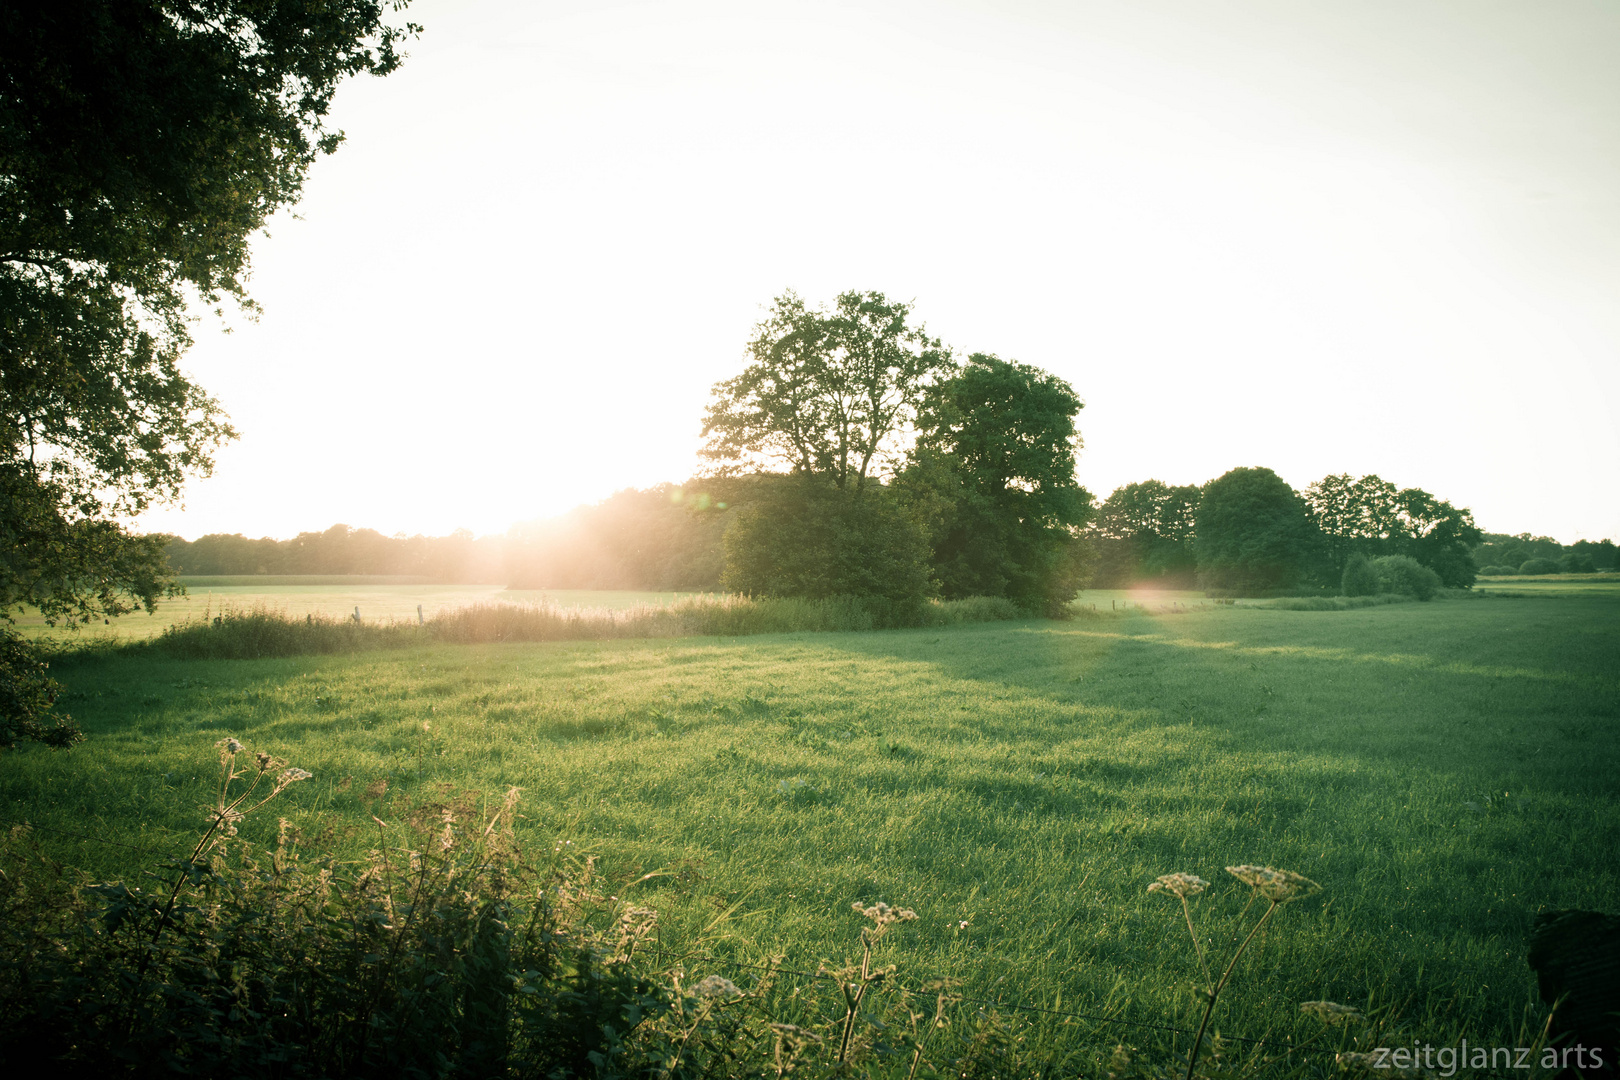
(419,619)
(357,613)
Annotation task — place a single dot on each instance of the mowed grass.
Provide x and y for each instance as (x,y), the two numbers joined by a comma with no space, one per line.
(1444,770)
(1603,584)
(379,600)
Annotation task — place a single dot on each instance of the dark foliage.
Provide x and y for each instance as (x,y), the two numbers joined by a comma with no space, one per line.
(1576,562)
(993,479)
(141,145)
(1403,575)
(1254,534)
(1373,518)
(26,696)
(452,959)
(72,568)
(1360,579)
(1540,566)
(802,537)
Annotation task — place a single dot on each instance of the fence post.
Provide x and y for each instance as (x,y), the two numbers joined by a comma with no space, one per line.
(357,613)
(419,620)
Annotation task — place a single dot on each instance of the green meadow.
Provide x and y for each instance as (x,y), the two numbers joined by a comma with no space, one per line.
(1444,771)
(379,599)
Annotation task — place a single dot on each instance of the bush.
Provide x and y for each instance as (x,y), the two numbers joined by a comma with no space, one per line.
(1360,579)
(260,632)
(27,694)
(1497,571)
(449,953)
(1538,566)
(1405,576)
(805,538)
(1576,563)
(1330,603)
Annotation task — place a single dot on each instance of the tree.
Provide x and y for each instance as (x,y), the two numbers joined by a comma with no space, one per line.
(1254,533)
(1439,536)
(1144,532)
(993,474)
(1354,516)
(142,143)
(1373,517)
(828,392)
(801,536)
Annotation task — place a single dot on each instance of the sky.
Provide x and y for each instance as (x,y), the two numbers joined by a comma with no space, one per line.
(1363,236)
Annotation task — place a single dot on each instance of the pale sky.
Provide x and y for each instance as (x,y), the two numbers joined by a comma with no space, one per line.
(1328,236)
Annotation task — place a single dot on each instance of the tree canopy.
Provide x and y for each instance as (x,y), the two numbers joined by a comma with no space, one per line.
(1373,517)
(828,392)
(993,473)
(142,144)
(1254,533)
(1144,532)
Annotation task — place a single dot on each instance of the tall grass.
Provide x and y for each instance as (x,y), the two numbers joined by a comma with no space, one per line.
(247,633)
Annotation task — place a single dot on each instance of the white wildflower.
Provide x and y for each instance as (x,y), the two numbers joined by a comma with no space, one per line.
(716,986)
(1275,885)
(1180,885)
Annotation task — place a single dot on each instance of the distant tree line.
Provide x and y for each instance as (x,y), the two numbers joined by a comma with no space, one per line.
(1249,532)
(855,455)
(1499,553)
(458,557)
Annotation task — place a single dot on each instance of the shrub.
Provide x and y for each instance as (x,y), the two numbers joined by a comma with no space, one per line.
(1405,576)
(1576,563)
(448,953)
(27,694)
(1360,579)
(806,538)
(1497,571)
(260,632)
(1538,566)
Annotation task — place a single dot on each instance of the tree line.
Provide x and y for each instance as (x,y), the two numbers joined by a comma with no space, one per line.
(1248,531)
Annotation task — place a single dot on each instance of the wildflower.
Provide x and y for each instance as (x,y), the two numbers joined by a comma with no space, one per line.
(1179,885)
(226,818)
(232,746)
(1277,886)
(294,774)
(716,986)
(265,759)
(883,914)
(1331,1012)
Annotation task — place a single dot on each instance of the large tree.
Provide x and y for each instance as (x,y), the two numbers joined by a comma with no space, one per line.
(142,144)
(1373,518)
(1254,533)
(828,392)
(993,475)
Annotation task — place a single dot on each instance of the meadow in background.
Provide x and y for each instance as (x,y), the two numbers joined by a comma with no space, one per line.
(1439,768)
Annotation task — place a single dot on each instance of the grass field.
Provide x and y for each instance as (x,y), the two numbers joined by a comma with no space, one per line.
(379,599)
(1552,585)
(1444,770)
